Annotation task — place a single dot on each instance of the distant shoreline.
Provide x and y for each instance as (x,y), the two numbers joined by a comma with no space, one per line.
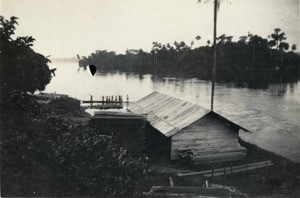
(73,59)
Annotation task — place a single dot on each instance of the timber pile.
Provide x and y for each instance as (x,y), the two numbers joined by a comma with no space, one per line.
(187,191)
(205,155)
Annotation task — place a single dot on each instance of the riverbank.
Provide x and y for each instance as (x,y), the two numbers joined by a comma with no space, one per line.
(27,171)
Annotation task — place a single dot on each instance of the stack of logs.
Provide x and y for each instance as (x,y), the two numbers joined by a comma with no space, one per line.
(200,155)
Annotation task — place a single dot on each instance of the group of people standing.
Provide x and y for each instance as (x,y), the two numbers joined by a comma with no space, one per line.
(112,98)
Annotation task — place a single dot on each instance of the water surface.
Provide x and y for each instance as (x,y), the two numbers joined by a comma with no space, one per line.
(272,114)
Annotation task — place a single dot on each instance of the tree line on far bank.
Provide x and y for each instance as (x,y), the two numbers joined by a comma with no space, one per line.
(251,59)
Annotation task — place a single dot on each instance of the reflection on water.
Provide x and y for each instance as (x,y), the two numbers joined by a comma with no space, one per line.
(272,114)
(278,89)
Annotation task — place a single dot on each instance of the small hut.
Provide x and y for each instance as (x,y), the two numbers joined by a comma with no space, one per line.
(125,127)
(183,129)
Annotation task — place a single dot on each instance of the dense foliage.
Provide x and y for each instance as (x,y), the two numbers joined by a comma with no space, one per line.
(22,69)
(72,153)
(43,151)
(250,59)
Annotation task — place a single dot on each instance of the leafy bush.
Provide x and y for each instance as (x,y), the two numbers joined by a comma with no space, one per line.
(95,161)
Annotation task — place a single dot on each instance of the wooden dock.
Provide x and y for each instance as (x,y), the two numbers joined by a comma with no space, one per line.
(106,102)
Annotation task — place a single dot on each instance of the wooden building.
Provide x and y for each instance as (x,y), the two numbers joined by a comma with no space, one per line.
(187,130)
(127,128)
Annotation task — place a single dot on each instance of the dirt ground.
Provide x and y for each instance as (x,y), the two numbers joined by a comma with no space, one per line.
(280,180)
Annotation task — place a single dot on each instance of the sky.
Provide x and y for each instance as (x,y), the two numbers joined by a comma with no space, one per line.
(65,28)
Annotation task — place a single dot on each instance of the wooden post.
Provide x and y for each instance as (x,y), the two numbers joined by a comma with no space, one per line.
(127,101)
(215,56)
(91,101)
(266,169)
(171,181)
(206,183)
(224,176)
(212,170)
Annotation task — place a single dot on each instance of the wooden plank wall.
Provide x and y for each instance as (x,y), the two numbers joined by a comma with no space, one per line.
(128,132)
(207,134)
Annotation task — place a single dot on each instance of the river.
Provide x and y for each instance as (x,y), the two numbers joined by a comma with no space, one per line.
(271,114)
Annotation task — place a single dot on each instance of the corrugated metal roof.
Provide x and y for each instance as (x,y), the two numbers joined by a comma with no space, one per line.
(168,114)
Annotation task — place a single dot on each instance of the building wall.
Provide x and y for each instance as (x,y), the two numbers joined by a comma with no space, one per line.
(208,132)
(128,132)
(158,145)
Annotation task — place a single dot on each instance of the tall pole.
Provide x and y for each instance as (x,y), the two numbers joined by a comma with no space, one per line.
(215,56)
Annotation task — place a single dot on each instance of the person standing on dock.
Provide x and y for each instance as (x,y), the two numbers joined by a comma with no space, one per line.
(91,99)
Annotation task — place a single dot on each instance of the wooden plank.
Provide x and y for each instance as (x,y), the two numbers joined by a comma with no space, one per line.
(209,143)
(218,160)
(100,101)
(176,149)
(188,190)
(202,139)
(236,146)
(225,141)
(203,135)
(248,168)
(219,151)
(170,195)
(205,130)
(210,124)
(209,151)
(218,156)
(222,169)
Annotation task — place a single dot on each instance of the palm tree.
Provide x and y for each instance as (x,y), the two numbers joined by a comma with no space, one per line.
(277,41)
(283,46)
(277,38)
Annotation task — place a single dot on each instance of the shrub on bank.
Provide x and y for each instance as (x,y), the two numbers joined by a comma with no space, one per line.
(95,162)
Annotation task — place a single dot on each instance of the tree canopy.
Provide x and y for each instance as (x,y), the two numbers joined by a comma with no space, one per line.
(22,69)
(250,59)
